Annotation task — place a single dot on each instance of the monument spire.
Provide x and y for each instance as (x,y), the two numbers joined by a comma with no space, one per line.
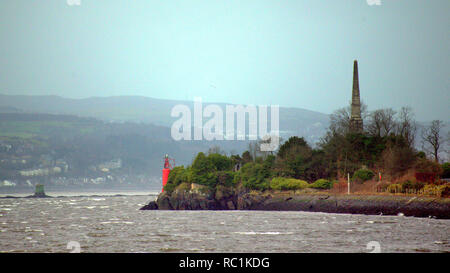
(356,122)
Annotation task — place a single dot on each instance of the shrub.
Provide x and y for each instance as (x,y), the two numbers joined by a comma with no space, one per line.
(427,166)
(421,155)
(183,187)
(282,184)
(418,185)
(278,183)
(362,175)
(322,184)
(412,186)
(446,170)
(427,170)
(394,188)
(176,176)
(202,164)
(225,178)
(252,177)
(206,179)
(297,184)
(203,171)
(396,159)
(382,186)
(426,177)
(294,158)
(445,190)
(440,191)
(220,162)
(430,189)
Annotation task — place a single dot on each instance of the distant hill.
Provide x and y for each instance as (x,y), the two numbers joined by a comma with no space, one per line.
(9,109)
(293,121)
(40,140)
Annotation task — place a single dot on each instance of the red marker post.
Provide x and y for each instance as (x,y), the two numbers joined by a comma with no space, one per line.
(166,170)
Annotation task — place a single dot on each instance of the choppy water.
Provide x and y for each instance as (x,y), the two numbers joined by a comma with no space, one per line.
(115,224)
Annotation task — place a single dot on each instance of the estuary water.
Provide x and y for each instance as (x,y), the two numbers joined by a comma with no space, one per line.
(99,223)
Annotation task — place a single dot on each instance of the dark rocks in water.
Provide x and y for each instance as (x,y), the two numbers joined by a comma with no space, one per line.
(39,192)
(163,202)
(39,195)
(220,199)
(150,206)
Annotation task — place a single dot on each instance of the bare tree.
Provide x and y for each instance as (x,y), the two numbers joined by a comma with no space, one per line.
(406,125)
(340,119)
(382,122)
(432,139)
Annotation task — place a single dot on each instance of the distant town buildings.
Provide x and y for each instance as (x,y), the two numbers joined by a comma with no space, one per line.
(40,171)
(110,165)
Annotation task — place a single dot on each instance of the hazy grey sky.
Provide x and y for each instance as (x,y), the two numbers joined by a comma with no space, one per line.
(291,53)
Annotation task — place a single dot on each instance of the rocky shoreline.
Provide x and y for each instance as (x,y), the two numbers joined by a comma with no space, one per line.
(322,202)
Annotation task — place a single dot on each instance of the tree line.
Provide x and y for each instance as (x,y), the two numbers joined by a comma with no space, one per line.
(386,145)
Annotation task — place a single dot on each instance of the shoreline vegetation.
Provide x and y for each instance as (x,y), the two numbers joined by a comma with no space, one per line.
(386,173)
(226,184)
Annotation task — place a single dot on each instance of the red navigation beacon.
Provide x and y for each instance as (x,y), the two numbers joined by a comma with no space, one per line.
(168,165)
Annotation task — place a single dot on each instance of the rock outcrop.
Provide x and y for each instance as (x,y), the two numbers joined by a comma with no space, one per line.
(39,192)
(221,199)
(150,206)
(230,199)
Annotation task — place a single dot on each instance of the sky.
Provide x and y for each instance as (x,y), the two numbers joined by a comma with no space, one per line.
(288,53)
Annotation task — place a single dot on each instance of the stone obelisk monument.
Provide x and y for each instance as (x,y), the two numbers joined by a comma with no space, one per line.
(356,122)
